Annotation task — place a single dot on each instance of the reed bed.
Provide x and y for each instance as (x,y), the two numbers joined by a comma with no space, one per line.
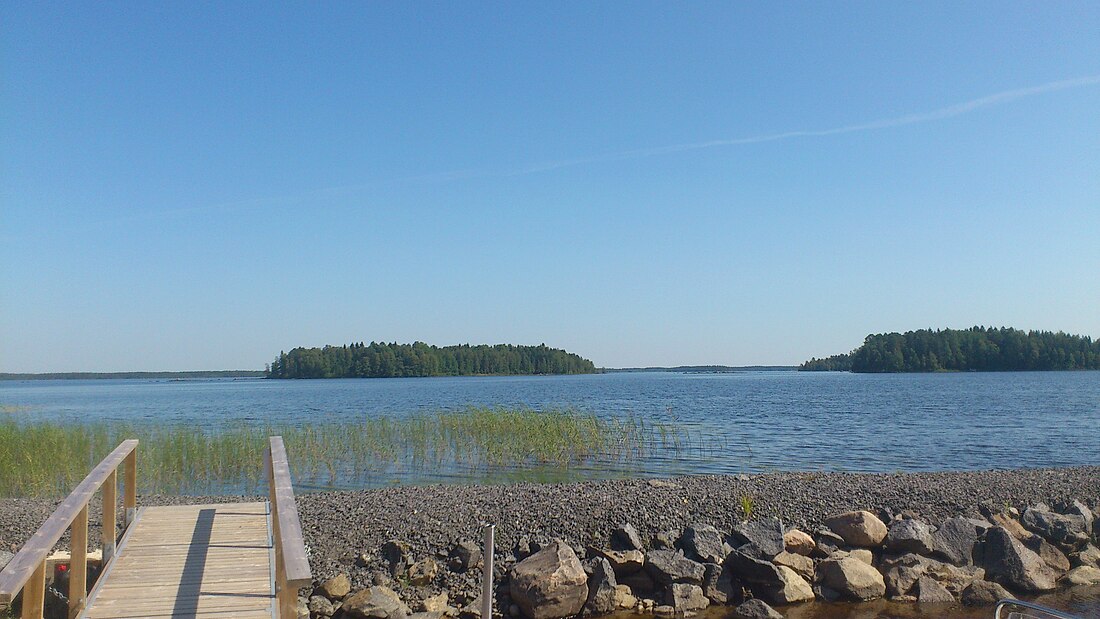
(44,459)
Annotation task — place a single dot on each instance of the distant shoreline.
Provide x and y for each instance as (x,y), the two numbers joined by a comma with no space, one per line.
(106,375)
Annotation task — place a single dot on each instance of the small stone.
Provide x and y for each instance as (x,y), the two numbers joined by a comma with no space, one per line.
(626,537)
(756,609)
(396,554)
(863,555)
(320,606)
(375,603)
(858,528)
(798,542)
(423,572)
(439,604)
(336,588)
(464,556)
(624,598)
(1082,576)
(622,561)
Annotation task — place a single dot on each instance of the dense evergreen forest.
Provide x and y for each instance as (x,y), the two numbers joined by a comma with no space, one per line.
(382,360)
(975,349)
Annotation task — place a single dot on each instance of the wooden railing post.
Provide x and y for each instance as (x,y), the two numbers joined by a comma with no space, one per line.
(34,593)
(129,496)
(78,563)
(110,516)
(291,564)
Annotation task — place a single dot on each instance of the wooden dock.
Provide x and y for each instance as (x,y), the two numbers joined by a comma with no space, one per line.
(242,560)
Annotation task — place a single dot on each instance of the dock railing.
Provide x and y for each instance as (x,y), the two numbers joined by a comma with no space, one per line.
(291,564)
(27,571)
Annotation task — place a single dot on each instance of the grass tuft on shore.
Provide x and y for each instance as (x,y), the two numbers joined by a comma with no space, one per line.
(44,459)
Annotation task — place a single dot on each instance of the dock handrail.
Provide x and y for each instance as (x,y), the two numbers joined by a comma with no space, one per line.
(27,570)
(291,564)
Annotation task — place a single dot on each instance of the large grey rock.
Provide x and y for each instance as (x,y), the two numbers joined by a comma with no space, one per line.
(931,592)
(1064,530)
(858,528)
(1007,560)
(954,541)
(954,577)
(464,556)
(375,603)
(685,597)
(901,573)
(703,543)
(622,561)
(668,567)
(778,584)
(1082,576)
(851,578)
(909,535)
(792,588)
(718,584)
(755,609)
(798,542)
(1049,554)
(1088,556)
(803,565)
(1077,508)
(601,587)
(984,593)
(762,538)
(550,583)
(625,537)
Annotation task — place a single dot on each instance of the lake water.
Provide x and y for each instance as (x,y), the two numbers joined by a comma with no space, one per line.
(740,422)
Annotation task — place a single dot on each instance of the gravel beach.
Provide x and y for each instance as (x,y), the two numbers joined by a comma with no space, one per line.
(339,526)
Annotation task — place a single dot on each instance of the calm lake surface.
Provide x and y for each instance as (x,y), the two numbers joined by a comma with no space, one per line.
(739,422)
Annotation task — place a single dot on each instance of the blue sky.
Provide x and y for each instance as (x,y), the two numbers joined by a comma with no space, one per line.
(200,185)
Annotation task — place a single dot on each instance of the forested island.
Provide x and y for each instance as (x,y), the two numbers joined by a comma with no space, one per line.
(983,349)
(384,360)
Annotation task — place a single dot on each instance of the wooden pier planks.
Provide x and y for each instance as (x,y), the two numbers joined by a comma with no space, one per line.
(191,561)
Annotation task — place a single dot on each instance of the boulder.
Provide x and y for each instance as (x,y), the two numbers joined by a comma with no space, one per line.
(792,588)
(666,540)
(396,554)
(335,588)
(464,556)
(624,598)
(320,606)
(667,567)
(931,592)
(1011,525)
(1077,508)
(984,593)
(909,535)
(601,587)
(1007,560)
(622,561)
(1049,553)
(763,538)
(954,541)
(1082,576)
(1088,556)
(718,584)
(374,603)
(439,604)
(550,583)
(954,578)
(755,609)
(703,543)
(684,597)
(423,572)
(851,578)
(1067,531)
(799,563)
(858,528)
(901,573)
(863,554)
(798,542)
(625,537)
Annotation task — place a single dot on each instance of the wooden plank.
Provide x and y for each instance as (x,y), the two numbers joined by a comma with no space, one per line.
(291,544)
(129,490)
(35,551)
(78,563)
(34,593)
(110,515)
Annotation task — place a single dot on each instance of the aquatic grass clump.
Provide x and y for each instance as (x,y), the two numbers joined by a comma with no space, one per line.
(48,459)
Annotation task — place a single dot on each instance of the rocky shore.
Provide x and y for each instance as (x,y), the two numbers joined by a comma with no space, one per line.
(759,544)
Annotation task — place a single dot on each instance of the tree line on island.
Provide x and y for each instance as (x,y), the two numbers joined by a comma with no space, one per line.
(393,360)
(986,349)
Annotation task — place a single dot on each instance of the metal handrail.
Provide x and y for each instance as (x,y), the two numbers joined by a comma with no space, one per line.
(1048,613)
(26,572)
